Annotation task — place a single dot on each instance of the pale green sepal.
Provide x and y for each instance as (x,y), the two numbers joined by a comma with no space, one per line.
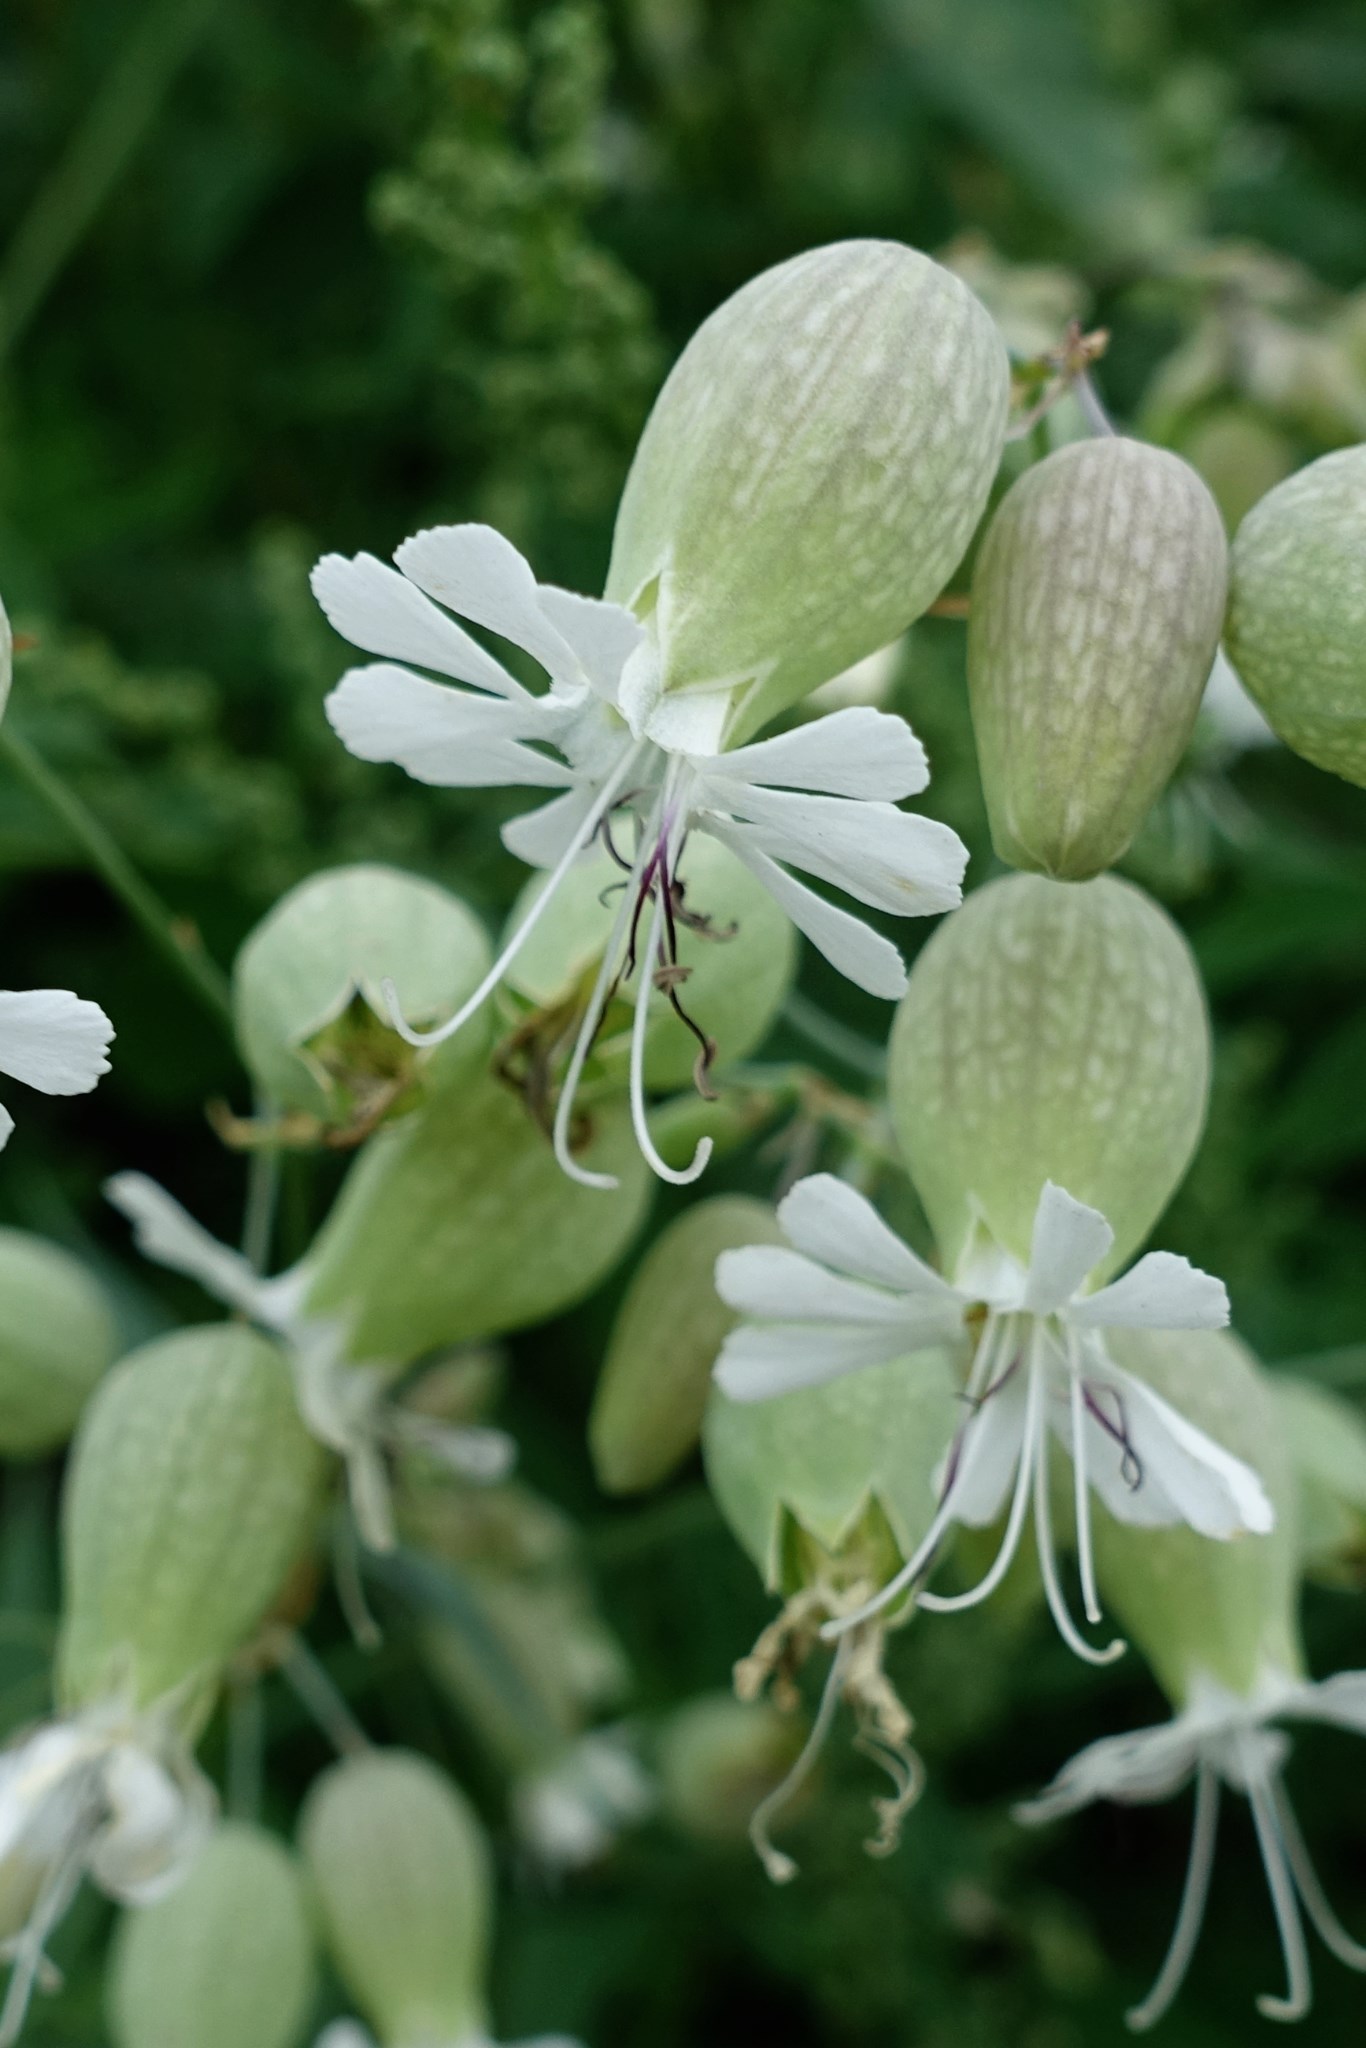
(457,1224)
(191,1492)
(403,1881)
(652,1392)
(1051,1031)
(1326,1439)
(1296,629)
(1097,602)
(56,1338)
(811,474)
(224,1961)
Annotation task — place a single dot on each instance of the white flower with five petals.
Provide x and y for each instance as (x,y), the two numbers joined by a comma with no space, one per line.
(345,1404)
(1225,1738)
(849,1293)
(822,798)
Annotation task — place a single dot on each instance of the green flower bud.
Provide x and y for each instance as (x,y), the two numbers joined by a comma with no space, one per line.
(718,1757)
(842,1473)
(458,1225)
(1097,601)
(1051,1031)
(312,1022)
(225,1960)
(1296,628)
(656,1377)
(740,963)
(56,1338)
(1325,1437)
(1196,1607)
(403,1881)
(811,473)
(190,1493)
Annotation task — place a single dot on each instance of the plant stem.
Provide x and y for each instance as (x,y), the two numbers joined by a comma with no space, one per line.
(174,938)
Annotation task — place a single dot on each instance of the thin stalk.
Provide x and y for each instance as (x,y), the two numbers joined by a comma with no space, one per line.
(173,938)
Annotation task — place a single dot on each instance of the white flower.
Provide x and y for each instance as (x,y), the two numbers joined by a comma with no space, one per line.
(570,1813)
(106,1794)
(53,1041)
(852,1294)
(344,1404)
(621,754)
(1224,1738)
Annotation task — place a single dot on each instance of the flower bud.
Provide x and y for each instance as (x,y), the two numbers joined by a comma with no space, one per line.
(1051,1031)
(189,1495)
(1297,611)
(1325,1437)
(1198,1608)
(223,1961)
(312,1022)
(739,952)
(1097,601)
(401,1872)
(458,1224)
(811,473)
(656,1377)
(837,1475)
(56,1338)
(718,1757)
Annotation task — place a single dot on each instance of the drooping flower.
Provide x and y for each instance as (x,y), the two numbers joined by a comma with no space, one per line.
(344,1403)
(53,1041)
(850,1294)
(623,758)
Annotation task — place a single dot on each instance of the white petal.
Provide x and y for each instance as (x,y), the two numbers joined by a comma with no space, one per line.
(1339,1700)
(1069,1240)
(990,1454)
(165,1232)
(441,735)
(892,859)
(831,1221)
(374,607)
(1161,1292)
(1181,1474)
(158,1824)
(6,1126)
(760,1360)
(477,573)
(1134,1769)
(859,752)
(640,688)
(860,954)
(542,836)
(348,2034)
(602,635)
(53,1040)
(776,1285)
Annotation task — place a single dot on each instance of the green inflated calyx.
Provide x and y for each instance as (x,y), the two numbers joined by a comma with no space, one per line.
(190,1495)
(737,950)
(56,1338)
(1325,1436)
(312,1019)
(401,1873)
(652,1393)
(811,473)
(1051,1031)
(1097,602)
(458,1224)
(1198,1608)
(225,1960)
(1297,611)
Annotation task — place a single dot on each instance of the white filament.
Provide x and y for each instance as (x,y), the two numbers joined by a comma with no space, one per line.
(1191,1912)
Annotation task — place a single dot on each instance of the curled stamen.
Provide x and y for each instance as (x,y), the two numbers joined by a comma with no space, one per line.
(1299,1991)
(1081,1501)
(1324,1920)
(779,1866)
(603,986)
(907,1773)
(1130,1464)
(680,1177)
(1048,1566)
(1190,1913)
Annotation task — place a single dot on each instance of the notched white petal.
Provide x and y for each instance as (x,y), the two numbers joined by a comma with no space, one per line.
(831,1221)
(853,949)
(1162,1292)
(376,608)
(854,753)
(1069,1241)
(476,572)
(759,1360)
(441,735)
(53,1040)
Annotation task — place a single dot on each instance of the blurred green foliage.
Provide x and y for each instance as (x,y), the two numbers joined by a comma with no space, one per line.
(278,279)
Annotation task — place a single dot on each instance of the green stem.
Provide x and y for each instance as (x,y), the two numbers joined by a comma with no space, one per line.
(119,116)
(173,937)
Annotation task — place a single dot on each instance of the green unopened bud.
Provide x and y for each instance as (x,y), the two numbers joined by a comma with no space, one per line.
(458,1224)
(648,1409)
(1297,611)
(811,473)
(56,1338)
(1051,1031)
(190,1493)
(718,1757)
(1097,601)
(401,1870)
(1325,1437)
(738,958)
(225,1960)
(1198,1608)
(312,1021)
